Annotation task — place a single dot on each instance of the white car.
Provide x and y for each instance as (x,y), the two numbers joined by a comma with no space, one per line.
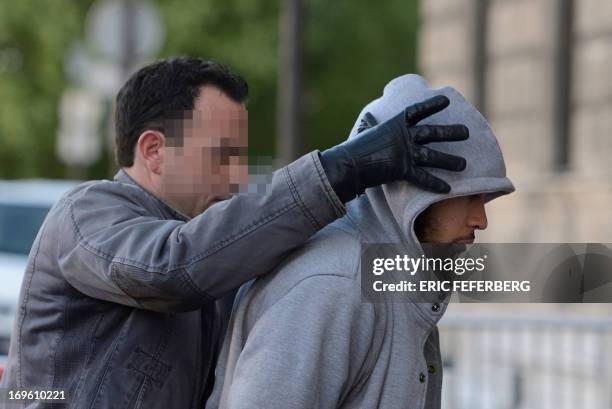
(23,207)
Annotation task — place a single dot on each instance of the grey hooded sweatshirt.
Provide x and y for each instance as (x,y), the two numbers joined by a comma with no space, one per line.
(302,337)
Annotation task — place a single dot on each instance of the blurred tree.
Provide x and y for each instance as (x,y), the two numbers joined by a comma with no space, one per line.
(240,33)
(352,49)
(34,35)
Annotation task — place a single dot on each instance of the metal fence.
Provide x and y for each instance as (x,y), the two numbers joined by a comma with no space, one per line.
(526,362)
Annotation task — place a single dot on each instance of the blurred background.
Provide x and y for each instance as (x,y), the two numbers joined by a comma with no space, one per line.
(537,69)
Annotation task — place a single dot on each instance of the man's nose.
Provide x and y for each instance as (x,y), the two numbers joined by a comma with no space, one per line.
(239,170)
(478,214)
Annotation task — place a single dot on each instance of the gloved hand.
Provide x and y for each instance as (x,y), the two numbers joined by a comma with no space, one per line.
(394,151)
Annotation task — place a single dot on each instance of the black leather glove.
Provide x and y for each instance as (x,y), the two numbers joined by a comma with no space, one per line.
(394,151)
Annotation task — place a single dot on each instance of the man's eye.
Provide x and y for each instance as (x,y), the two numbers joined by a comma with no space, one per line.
(230,151)
(226,152)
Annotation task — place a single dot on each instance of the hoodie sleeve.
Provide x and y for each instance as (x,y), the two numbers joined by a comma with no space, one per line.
(307,350)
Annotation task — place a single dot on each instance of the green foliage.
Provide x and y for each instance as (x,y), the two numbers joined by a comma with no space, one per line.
(352,49)
(34,35)
(240,33)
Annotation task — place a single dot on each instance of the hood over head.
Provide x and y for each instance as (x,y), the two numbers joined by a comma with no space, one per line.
(396,205)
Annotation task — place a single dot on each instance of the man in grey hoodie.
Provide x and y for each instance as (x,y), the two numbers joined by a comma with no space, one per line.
(303,337)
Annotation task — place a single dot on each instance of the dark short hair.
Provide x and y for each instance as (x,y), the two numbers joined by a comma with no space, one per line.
(422,224)
(157,92)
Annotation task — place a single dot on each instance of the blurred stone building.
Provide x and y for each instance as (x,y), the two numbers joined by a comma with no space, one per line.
(540,71)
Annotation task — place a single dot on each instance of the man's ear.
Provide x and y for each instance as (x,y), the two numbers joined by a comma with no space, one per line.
(150,148)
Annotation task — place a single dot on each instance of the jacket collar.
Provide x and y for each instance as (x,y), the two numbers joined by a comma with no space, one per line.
(122,177)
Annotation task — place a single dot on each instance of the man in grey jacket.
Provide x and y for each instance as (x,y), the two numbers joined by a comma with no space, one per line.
(303,336)
(117,305)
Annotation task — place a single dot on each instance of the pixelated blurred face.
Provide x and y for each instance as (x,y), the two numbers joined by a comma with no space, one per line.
(452,220)
(206,149)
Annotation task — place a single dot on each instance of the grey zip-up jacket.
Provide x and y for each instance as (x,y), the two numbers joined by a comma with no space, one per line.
(306,337)
(117,305)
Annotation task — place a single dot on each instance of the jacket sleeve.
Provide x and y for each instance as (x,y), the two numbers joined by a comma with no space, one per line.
(308,350)
(119,254)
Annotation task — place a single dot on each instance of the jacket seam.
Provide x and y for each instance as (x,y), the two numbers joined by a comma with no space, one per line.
(148,380)
(296,196)
(231,239)
(92,344)
(211,250)
(181,275)
(187,279)
(59,340)
(157,200)
(114,347)
(25,305)
(326,189)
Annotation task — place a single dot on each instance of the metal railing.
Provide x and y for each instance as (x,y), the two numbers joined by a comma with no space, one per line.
(512,362)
